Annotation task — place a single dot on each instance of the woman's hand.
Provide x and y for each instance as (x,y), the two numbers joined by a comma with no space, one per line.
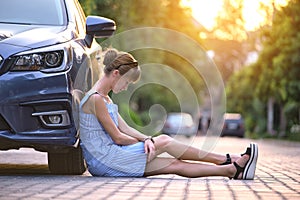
(150,149)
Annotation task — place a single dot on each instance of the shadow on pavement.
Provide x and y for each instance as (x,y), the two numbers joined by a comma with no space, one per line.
(21,169)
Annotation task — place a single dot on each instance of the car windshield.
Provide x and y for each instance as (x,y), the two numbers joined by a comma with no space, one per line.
(36,12)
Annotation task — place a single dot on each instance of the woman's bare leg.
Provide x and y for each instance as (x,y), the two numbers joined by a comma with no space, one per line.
(160,166)
(164,143)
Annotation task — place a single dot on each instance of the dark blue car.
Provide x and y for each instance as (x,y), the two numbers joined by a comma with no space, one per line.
(48,60)
(233,125)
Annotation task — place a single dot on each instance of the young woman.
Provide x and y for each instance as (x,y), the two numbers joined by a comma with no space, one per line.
(112,148)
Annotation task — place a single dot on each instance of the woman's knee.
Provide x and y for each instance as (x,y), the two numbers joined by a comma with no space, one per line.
(163,140)
(176,166)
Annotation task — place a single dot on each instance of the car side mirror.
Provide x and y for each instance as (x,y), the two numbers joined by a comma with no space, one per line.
(98,27)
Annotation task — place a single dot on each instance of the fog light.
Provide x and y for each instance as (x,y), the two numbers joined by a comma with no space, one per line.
(55,119)
(58,118)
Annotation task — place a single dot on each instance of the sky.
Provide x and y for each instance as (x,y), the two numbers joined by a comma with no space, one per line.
(205,11)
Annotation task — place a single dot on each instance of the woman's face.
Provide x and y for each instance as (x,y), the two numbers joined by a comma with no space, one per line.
(121,84)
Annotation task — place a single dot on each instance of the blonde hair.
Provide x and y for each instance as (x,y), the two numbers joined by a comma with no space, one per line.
(124,62)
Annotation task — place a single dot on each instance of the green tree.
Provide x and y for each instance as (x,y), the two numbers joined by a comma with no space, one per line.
(276,74)
(229,39)
(280,61)
(168,14)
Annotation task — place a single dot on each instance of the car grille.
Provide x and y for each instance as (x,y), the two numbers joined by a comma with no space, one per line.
(3,124)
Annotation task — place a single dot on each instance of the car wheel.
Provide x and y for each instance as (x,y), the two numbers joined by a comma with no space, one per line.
(71,162)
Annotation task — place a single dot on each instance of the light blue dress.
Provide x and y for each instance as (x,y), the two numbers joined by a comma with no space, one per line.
(102,155)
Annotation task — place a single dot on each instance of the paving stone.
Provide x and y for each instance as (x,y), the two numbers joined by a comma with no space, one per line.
(277,177)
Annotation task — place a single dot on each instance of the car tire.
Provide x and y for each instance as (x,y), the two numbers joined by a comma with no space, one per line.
(69,163)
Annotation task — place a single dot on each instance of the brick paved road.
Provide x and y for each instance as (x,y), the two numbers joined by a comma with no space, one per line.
(24,175)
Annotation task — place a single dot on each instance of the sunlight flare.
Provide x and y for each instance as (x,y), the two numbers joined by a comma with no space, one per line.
(205,12)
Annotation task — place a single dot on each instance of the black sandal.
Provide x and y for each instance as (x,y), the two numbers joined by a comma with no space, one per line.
(239,170)
(228,158)
(248,151)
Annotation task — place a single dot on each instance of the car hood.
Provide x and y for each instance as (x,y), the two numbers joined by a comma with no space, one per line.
(24,37)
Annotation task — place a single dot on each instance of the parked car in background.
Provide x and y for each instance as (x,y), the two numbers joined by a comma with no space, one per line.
(233,125)
(44,45)
(179,124)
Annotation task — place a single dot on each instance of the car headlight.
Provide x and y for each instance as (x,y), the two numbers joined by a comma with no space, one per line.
(47,59)
(38,61)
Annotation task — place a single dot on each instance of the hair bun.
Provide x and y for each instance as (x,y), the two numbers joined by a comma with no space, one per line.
(110,55)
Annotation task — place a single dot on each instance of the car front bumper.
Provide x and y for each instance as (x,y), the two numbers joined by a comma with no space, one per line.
(29,104)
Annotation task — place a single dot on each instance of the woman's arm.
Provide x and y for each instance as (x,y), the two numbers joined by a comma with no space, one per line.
(125,128)
(101,112)
(149,142)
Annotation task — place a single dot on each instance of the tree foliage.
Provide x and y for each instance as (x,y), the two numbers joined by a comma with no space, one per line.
(276,74)
(139,13)
(168,14)
(230,21)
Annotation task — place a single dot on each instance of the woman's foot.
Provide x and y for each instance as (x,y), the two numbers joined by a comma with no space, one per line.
(246,165)
(251,164)
(229,159)
(234,158)
(237,168)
